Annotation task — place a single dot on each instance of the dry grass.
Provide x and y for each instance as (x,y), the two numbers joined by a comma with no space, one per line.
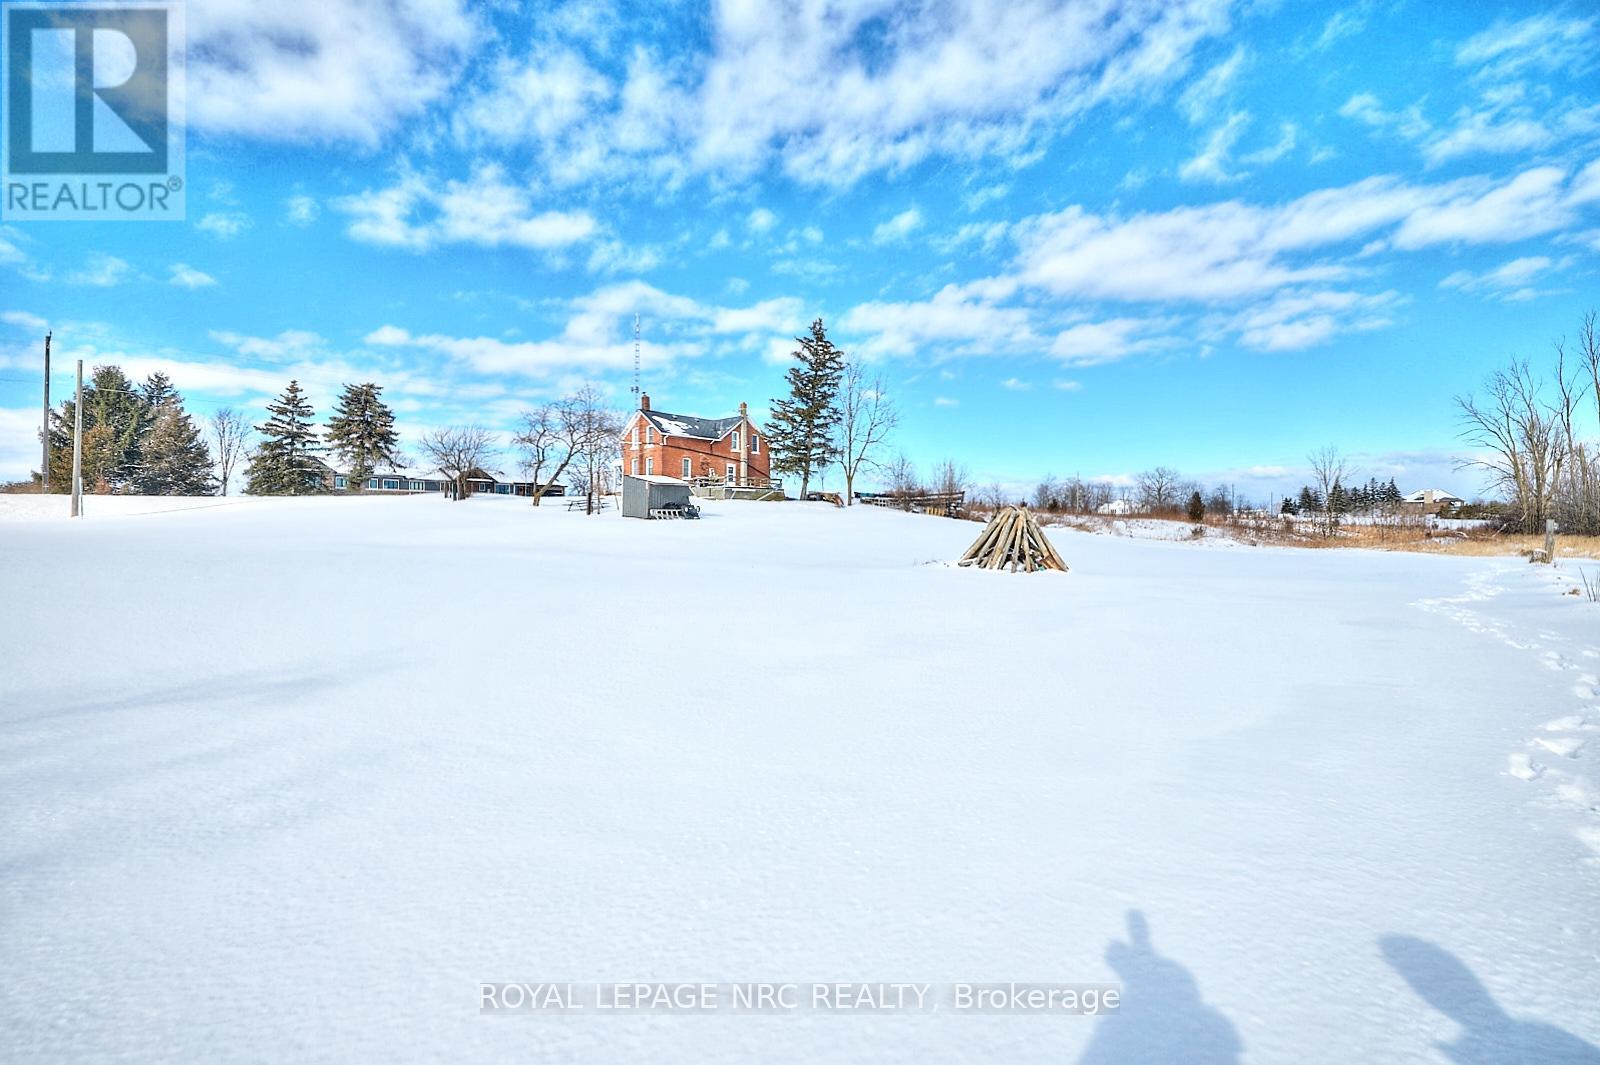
(1406,534)
(1416,537)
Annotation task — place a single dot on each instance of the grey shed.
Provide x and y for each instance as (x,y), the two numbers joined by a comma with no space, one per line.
(641,495)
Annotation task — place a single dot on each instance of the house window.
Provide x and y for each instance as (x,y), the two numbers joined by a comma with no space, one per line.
(649,435)
(372,482)
(390,483)
(635,436)
(417,486)
(649,467)
(340,482)
(731,475)
(736,440)
(635,468)
(755,443)
(686,469)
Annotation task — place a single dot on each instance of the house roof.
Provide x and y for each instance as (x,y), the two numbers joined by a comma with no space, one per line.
(655,478)
(1431,495)
(691,426)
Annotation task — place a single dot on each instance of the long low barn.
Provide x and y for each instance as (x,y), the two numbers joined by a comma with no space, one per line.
(412,482)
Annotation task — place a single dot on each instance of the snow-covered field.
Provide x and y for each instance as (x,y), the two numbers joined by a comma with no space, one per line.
(285,780)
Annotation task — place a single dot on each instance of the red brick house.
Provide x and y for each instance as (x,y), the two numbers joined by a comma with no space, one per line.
(724,450)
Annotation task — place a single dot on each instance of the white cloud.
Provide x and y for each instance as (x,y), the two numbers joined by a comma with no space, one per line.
(1232,249)
(760,220)
(225,225)
(321,70)
(29,323)
(979,197)
(1476,212)
(1340,25)
(1288,134)
(1199,100)
(101,271)
(1544,42)
(10,246)
(185,276)
(958,319)
(1094,343)
(1015,384)
(598,333)
(897,228)
(1511,282)
(1301,318)
(1368,109)
(301,210)
(1212,164)
(291,345)
(946,401)
(964,80)
(1486,132)
(485,210)
(539,98)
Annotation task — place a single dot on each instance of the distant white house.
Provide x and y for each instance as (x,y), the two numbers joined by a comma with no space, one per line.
(1431,501)
(1116,506)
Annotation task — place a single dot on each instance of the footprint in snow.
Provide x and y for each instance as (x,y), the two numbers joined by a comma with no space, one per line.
(1570,723)
(1524,768)
(1565,746)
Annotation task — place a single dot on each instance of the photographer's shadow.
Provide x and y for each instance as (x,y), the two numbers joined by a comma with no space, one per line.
(1489,1036)
(1162,1017)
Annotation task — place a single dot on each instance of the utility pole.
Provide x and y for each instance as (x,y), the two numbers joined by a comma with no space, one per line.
(77,448)
(636,359)
(44,470)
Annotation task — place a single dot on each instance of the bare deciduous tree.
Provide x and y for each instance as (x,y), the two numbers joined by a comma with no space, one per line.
(457,451)
(1158,489)
(550,439)
(950,477)
(1522,438)
(868,417)
(1328,468)
(230,433)
(597,437)
(901,477)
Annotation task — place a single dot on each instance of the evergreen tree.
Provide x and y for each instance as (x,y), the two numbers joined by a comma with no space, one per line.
(115,419)
(174,457)
(1338,499)
(1289,506)
(285,461)
(362,434)
(1391,494)
(1310,501)
(1197,507)
(801,433)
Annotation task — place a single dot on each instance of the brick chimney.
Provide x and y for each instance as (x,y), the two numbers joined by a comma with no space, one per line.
(744,444)
(644,401)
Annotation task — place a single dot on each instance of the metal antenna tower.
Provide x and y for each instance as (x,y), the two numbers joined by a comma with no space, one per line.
(636,359)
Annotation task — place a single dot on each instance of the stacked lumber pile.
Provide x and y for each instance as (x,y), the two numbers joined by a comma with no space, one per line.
(1013,538)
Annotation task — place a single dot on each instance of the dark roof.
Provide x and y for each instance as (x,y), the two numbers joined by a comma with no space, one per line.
(689,425)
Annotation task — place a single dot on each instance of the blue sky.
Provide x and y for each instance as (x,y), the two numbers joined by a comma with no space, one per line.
(1074,238)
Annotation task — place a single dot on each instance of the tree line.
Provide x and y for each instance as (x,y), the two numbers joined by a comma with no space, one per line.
(140,439)
(1536,439)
